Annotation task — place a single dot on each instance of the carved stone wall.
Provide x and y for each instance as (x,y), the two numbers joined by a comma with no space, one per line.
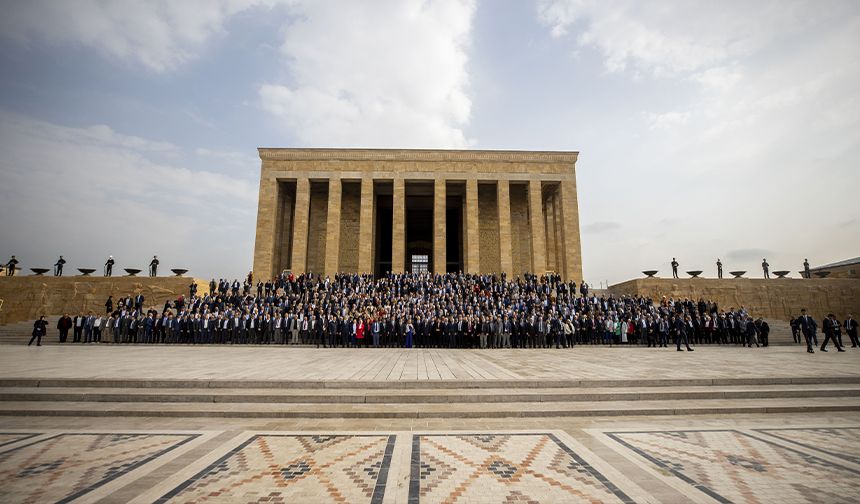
(775,298)
(28,297)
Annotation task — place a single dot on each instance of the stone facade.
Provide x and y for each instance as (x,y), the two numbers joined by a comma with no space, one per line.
(775,298)
(320,211)
(28,297)
(849,268)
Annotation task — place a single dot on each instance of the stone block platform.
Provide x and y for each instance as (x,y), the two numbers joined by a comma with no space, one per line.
(139,424)
(25,298)
(773,298)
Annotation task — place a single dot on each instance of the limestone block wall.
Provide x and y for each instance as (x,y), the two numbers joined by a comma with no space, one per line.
(521,244)
(775,298)
(488,217)
(317,228)
(27,297)
(349,227)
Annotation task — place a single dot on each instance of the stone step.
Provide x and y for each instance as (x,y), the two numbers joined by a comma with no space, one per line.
(400,410)
(339,385)
(407,396)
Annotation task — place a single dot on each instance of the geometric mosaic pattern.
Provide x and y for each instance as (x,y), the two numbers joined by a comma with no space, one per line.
(9,437)
(731,466)
(64,467)
(503,468)
(840,442)
(294,468)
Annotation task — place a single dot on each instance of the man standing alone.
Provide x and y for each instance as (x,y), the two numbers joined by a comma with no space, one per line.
(10,266)
(153,266)
(719,268)
(63,325)
(674,268)
(58,267)
(766,268)
(851,328)
(109,266)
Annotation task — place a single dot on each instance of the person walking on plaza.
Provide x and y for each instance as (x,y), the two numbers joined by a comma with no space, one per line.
(39,329)
(63,325)
(674,268)
(807,327)
(850,326)
(58,267)
(766,268)
(763,331)
(153,266)
(806,272)
(719,268)
(10,266)
(109,266)
(832,332)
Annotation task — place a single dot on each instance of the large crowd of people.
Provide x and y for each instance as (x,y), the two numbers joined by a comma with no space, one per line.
(453,310)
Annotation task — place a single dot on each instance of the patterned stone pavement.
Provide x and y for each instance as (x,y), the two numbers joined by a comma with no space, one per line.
(756,461)
(504,468)
(294,468)
(63,467)
(733,466)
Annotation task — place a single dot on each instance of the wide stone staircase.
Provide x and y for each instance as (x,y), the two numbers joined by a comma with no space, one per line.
(425,399)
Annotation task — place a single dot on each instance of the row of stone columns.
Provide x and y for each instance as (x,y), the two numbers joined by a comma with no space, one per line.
(563,208)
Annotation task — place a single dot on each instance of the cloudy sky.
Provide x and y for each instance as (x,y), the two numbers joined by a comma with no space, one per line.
(706,129)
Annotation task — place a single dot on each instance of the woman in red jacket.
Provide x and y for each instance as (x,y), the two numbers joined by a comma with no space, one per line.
(359,331)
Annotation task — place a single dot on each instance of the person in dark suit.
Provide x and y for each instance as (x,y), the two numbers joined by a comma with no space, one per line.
(153,266)
(765,267)
(63,325)
(807,327)
(850,326)
(10,266)
(832,331)
(39,329)
(675,265)
(719,268)
(763,331)
(58,267)
(109,266)
(78,322)
(681,334)
(806,272)
(138,302)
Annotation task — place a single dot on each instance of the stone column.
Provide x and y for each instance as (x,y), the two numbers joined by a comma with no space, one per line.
(398,233)
(332,227)
(570,231)
(473,256)
(300,226)
(440,208)
(365,227)
(536,222)
(558,235)
(503,191)
(267,211)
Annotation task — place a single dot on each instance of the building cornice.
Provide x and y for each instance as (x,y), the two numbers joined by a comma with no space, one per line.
(429,155)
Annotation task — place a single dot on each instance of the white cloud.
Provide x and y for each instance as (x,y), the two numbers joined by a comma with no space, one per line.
(676,37)
(159,35)
(752,128)
(388,73)
(90,192)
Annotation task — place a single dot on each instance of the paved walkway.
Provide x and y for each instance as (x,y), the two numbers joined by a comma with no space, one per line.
(793,458)
(280,363)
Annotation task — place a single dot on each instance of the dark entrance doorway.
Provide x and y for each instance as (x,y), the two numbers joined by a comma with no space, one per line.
(419,225)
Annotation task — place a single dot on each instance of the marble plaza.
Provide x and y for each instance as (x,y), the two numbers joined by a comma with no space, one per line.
(280,425)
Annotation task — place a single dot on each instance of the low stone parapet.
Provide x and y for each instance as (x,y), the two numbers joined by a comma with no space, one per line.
(28,297)
(772,298)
